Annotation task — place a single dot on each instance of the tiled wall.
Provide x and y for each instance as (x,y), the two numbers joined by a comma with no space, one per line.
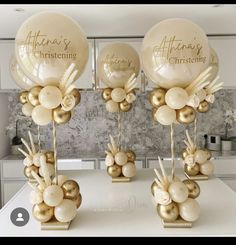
(88,130)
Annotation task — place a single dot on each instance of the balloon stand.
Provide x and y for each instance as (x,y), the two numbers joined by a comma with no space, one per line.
(197,177)
(55,225)
(120,179)
(178,223)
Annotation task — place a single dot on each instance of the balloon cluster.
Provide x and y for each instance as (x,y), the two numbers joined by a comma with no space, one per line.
(119,163)
(32,159)
(175,198)
(196,161)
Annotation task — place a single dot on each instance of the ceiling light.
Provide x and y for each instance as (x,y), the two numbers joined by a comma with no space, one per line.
(19,9)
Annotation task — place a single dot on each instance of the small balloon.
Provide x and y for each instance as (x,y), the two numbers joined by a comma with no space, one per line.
(70,189)
(112,106)
(50,156)
(154,187)
(176,98)
(42,212)
(106,94)
(114,170)
(65,211)
(193,188)
(129,170)
(23,98)
(178,191)
(189,210)
(41,116)
(78,201)
(168,213)
(53,195)
(118,94)
(27,171)
(200,156)
(121,158)
(207,168)
(33,95)
(186,115)
(76,93)
(50,97)
(203,107)
(60,116)
(125,106)
(131,156)
(157,97)
(27,109)
(192,171)
(165,115)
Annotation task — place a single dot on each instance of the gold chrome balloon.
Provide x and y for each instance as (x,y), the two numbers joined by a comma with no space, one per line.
(70,189)
(203,107)
(106,94)
(49,157)
(23,97)
(76,93)
(131,156)
(184,153)
(78,200)
(154,187)
(209,154)
(192,171)
(154,110)
(27,171)
(42,212)
(186,115)
(168,212)
(60,116)
(157,97)
(125,106)
(193,188)
(114,170)
(33,95)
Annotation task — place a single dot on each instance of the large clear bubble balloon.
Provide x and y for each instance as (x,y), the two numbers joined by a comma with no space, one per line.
(47,43)
(116,63)
(214,62)
(174,52)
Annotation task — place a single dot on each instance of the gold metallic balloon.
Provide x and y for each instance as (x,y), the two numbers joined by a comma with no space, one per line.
(60,116)
(193,188)
(33,95)
(76,93)
(192,171)
(23,97)
(157,97)
(168,212)
(27,171)
(209,154)
(78,200)
(114,170)
(184,153)
(42,212)
(154,110)
(70,189)
(186,115)
(131,156)
(203,107)
(154,187)
(125,106)
(49,156)
(106,94)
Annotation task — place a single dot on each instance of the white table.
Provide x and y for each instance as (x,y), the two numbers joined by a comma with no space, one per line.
(127,209)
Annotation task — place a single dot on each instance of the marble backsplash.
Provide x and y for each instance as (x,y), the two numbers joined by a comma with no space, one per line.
(88,131)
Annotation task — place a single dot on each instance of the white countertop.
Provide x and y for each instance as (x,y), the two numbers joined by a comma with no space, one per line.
(127,209)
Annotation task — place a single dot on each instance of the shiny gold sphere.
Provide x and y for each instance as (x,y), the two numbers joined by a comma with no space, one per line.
(49,157)
(60,116)
(78,200)
(184,153)
(27,171)
(70,189)
(33,95)
(131,156)
(42,212)
(154,187)
(193,188)
(157,97)
(76,93)
(209,154)
(125,106)
(23,98)
(106,94)
(168,213)
(114,170)
(192,171)
(154,110)
(203,107)
(186,115)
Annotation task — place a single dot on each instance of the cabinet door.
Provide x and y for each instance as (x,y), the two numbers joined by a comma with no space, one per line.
(7,49)
(134,42)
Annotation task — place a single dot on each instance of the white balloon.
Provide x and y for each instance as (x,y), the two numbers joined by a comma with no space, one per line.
(41,116)
(178,191)
(65,211)
(36,158)
(200,156)
(50,97)
(50,168)
(36,197)
(118,94)
(165,115)
(112,106)
(207,168)
(27,109)
(121,158)
(189,210)
(109,160)
(176,98)
(53,195)
(28,161)
(129,170)
(61,179)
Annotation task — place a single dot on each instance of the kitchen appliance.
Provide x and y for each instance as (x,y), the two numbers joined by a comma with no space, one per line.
(213,142)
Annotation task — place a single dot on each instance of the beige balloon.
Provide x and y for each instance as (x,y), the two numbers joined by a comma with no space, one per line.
(174,52)
(53,195)
(176,98)
(116,63)
(200,156)
(129,170)
(118,94)
(165,115)
(50,97)
(112,106)
(51,170)
(47,43)
(207,168)
(27,109)
(178,191)
(41,116)
(189,210)
(214,62)
(65,211)
(121,158)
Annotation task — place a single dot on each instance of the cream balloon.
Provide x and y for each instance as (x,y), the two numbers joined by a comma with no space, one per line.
(200,156)
(50,168)
(36,197)
(61,179)
(129,170)
(121,158)
(36,159)
(53,195)
(214,62)
(176,98)
(109,160)
(50,97)
(178,191)
(47,43)
(65,211)
(174,52)
(27,109)
(118,94)
(41,116)
(116,63)
(207,168)
(112,106)
(189,210)
(165,115)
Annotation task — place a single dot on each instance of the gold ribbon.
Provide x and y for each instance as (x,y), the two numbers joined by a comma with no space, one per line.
(39,140)
(54,132)
(172,146)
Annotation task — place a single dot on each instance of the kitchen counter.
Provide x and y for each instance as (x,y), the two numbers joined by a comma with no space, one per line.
(127,209)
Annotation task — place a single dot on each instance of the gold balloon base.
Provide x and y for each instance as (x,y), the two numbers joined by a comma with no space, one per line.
(121,179)
(197,177)
(179,223)
(55,225)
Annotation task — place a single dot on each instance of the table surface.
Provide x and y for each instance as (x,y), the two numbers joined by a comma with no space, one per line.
(127,209)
